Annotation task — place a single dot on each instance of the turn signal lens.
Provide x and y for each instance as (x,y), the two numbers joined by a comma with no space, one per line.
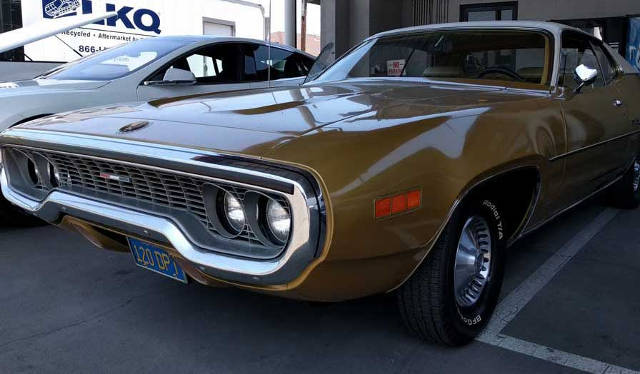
(383,207)
(413,199)
(397,204)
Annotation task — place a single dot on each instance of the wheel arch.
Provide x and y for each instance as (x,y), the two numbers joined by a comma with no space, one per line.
(528,167)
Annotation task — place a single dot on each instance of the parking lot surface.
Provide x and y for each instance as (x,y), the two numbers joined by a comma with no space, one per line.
(69,307)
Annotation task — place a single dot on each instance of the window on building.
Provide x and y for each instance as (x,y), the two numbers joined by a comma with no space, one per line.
(505,11)
(11,19)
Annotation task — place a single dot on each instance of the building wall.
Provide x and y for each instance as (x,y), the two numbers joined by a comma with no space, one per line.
(172,17)
(544,10)
(347,22)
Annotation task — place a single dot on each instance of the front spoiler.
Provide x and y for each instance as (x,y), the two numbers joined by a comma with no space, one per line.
(58,204)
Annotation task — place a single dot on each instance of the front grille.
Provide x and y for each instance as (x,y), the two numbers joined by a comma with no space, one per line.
(174,191)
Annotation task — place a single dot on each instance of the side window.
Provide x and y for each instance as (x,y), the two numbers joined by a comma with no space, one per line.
(576,50)
(256,58)
(609,67)
(307,63)
(284,64)
(211,65)
(287,64)
(204,66)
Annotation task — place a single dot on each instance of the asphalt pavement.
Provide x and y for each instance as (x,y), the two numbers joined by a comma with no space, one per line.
(66,306)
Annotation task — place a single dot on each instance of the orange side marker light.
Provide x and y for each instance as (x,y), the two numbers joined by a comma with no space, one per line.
(397,204)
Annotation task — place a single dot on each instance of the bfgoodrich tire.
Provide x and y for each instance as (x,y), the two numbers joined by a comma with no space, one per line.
(625,193)
(451,296)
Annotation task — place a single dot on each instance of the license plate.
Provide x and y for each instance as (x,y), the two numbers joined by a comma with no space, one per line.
(156,259)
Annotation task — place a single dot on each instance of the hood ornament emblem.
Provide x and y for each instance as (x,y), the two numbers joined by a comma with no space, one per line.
(134,126)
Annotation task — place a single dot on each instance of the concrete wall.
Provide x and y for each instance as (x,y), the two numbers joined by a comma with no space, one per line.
(544,10)
(15,71)
(347,22)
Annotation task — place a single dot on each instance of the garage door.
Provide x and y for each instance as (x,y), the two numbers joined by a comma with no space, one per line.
(218,29)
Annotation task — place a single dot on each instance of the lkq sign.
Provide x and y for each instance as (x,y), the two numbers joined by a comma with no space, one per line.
(135,19)
(141,19)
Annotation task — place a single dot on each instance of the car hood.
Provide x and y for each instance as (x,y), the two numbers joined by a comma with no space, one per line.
(253,123)
(39,86)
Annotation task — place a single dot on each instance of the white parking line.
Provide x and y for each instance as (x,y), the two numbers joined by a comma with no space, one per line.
(519,297)
(553,355)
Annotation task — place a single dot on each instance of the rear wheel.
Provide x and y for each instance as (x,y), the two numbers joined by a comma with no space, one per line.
(625,193)
(451,296)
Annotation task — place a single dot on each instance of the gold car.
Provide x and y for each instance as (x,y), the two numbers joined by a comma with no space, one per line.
(408,165)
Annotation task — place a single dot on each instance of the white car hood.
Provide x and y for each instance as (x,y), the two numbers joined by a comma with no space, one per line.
(39,86)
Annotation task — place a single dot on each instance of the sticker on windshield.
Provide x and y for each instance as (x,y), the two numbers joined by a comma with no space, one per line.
(395,67)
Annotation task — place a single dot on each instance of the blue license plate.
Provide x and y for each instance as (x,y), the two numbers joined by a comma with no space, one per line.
(156,259)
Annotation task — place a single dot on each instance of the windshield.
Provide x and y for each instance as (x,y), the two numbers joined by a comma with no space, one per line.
(116,62)
(502,55)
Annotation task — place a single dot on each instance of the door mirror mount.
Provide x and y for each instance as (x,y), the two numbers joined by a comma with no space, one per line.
(174,77)
(584,76)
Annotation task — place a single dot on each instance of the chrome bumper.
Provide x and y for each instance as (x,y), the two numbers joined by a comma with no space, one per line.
(278,271)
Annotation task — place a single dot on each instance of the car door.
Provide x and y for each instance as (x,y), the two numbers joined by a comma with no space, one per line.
(218,67)
(595,120)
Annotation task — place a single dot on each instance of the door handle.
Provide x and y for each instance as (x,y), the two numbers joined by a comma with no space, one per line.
(618,103)
(635,122)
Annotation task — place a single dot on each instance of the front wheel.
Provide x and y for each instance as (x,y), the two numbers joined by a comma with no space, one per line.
(451,296)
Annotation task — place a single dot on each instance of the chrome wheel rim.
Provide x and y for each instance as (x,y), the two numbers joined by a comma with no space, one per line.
(473,261)
(636,175)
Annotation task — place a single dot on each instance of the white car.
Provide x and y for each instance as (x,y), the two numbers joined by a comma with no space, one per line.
(151,69)
(145,70)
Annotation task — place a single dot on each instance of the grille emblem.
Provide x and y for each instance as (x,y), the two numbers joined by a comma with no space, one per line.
(114,177)
(134,126)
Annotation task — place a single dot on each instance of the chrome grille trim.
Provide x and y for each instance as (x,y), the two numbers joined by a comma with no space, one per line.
(299,187)
(156,187)
(171,189)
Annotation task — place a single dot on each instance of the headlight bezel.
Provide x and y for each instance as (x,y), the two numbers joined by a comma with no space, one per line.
(254,205)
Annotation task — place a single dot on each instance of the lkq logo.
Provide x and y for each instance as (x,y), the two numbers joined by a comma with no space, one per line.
(141,19)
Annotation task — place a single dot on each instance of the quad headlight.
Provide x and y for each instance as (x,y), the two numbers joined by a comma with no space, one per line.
(249,215)
(279,220)
(234,212)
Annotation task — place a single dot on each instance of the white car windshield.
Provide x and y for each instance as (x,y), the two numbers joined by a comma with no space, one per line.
(117,62)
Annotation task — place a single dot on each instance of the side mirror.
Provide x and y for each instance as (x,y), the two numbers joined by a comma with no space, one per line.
(584,76)
(174,77)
